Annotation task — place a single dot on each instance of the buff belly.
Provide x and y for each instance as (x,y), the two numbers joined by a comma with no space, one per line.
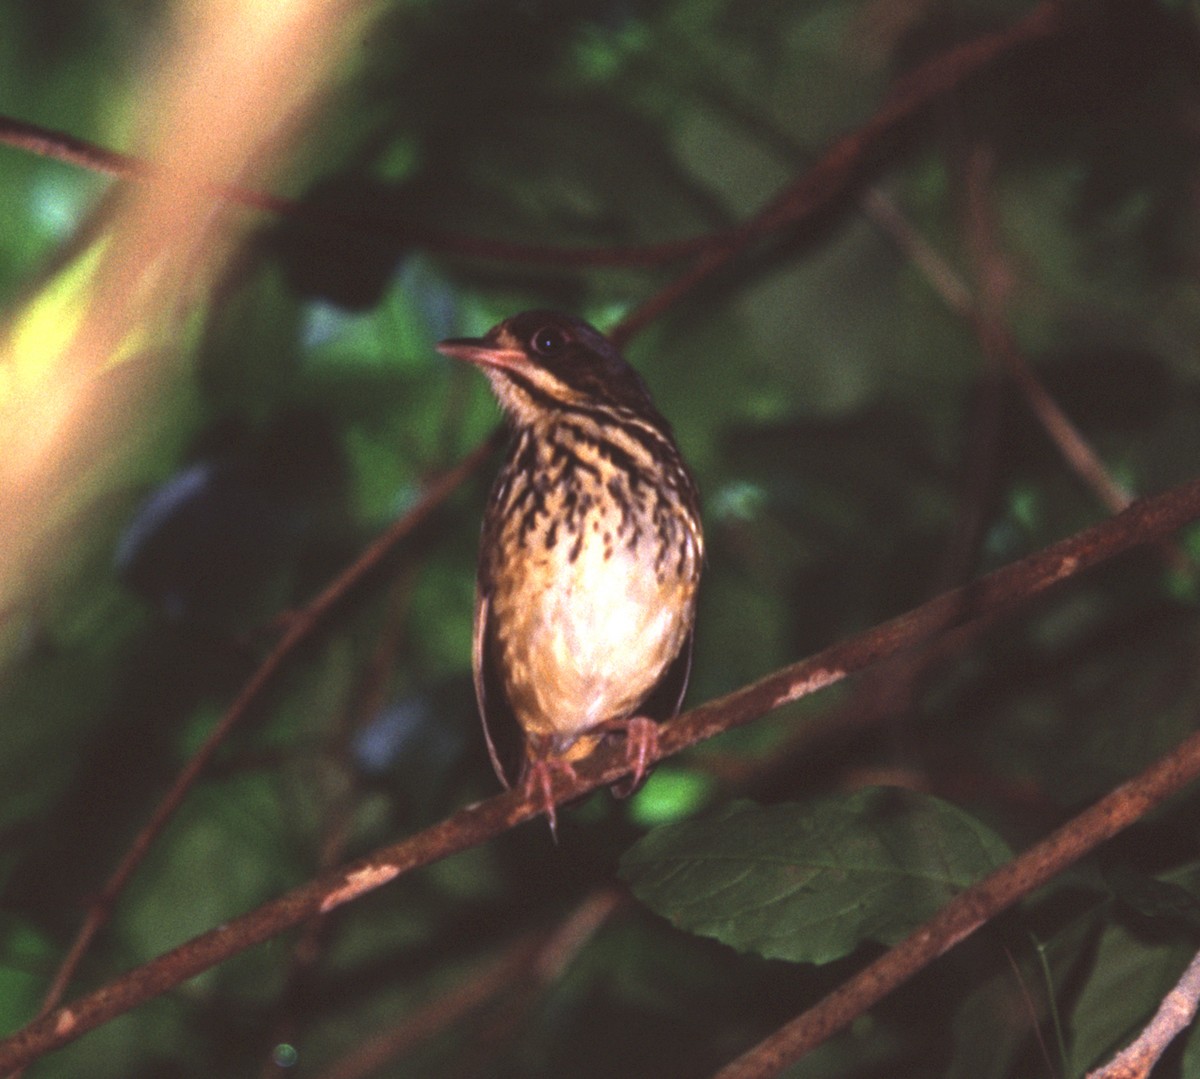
(578,656)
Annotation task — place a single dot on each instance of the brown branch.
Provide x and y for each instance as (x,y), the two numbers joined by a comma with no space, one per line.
(1074,448)
(986,317)
(1145,521)
(481,985)
(997,341)
(301,626)
(466,828)
(969,911)
(811,194)
(339,800)
(821,186)
(524,969)
(61,146)
(994,278)
(1176,1012)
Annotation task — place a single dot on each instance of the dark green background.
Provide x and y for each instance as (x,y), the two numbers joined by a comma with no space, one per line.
(856,449)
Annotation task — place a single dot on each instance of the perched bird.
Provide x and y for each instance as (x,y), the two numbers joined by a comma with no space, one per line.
(590,554)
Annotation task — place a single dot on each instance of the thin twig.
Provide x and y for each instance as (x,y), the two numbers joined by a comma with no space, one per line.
(300,627)
(994,277)
(970,910)
(480,986)
(1031,1011)
(802,200)
(812,192)
(827,181)
(338,809)
(1146,521)
(61,146)
(999,345)
(1174,1015)
(984,314)
(534,961)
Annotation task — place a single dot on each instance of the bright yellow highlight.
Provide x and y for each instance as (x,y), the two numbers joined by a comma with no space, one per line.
(40,335)
(85,363)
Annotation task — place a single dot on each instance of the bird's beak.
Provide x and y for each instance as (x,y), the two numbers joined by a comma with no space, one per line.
(484,353)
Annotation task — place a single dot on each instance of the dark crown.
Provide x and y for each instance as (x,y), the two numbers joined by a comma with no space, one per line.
(580,357)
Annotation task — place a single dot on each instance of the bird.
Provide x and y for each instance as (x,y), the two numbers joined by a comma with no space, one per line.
(590,556)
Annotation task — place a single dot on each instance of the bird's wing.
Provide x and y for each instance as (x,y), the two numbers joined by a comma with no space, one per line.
(494,711)
(666,698)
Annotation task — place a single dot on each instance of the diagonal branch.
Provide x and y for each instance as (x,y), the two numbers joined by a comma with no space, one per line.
(821,186)
(301,627)
(1174,1015)
(971,910)
(526,967)
(1145,521)
(810,195)
(988,318)
(71,150)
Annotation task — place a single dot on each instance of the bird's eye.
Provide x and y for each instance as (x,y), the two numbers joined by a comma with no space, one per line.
(548,341)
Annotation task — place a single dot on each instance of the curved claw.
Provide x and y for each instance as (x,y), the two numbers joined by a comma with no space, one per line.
(641,743)
(539,779)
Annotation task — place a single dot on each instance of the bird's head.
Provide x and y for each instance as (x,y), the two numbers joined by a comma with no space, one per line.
(542,362)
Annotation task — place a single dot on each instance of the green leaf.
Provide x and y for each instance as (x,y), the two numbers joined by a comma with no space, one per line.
(811,882)
(1129,977)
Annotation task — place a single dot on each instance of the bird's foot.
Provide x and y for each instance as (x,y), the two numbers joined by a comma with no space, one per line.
(641,743)
(539,781)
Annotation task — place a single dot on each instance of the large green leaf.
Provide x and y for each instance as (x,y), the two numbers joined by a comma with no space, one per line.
(811,882)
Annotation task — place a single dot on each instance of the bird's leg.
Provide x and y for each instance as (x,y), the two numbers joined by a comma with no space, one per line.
(641,743)
(540,767)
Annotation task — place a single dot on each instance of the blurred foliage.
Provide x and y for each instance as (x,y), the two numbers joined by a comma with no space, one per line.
(857,450)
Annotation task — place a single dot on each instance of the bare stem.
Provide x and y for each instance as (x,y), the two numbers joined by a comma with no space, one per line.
(301,626)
